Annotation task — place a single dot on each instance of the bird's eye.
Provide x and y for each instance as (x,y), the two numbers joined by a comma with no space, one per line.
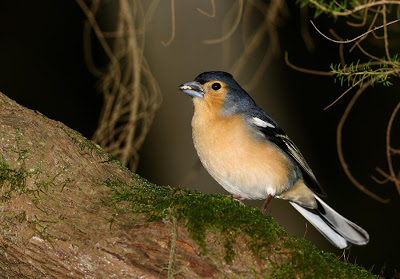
(216,86)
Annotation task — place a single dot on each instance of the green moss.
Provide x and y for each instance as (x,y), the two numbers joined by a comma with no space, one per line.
(44,185)
(86,146)
(13,183)
(13,180)
(306,261)
(201,212)
(41,227)
(221,214)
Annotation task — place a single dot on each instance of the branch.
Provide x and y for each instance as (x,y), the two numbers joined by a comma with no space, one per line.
(70,210)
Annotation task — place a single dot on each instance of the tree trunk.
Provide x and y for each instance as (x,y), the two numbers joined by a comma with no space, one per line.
(69,210)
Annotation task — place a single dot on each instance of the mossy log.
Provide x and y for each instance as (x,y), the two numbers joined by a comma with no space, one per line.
(70,210)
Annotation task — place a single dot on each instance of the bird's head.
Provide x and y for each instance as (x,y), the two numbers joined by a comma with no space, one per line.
(218,91)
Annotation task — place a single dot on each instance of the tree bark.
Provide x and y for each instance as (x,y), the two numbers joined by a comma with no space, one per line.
(60,218)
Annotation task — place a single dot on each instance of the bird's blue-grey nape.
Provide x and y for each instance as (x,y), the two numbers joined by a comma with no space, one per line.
(225,77)
(193,89)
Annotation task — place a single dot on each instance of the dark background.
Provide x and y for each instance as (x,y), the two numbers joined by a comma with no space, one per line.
(42,67)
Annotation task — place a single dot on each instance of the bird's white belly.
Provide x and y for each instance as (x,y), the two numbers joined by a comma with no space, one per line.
(239,175)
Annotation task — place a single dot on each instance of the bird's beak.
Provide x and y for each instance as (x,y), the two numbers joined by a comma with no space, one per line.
(193,89)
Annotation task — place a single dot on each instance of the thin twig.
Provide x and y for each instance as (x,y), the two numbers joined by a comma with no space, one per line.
(303,70)
(305,231)
(385,35)
(233,29)
(384,181)
(305,30)
(364,21)
(386,175)
(368,54)
(388,145)
(394,150)
(369,28)
(344,93)
(97,30)
(339,146)
(173,22)
(356,38)
(356,9)
(213,11)
(270,19)
(341,46)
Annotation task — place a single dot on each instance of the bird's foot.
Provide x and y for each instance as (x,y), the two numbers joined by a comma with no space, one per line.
(239,199)
(265,205)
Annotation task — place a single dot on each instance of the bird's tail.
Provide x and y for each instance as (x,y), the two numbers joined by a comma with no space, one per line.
(338,230)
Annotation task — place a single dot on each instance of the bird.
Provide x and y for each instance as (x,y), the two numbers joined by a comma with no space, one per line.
(251,157)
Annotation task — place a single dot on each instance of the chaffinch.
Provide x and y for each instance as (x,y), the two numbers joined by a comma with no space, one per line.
(247,152)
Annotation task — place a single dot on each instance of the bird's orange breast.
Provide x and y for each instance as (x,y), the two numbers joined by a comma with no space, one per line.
(243,165)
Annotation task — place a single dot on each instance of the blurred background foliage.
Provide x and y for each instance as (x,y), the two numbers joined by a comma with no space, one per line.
(111,69)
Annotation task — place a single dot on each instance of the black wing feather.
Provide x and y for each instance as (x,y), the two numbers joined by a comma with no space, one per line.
(277,136)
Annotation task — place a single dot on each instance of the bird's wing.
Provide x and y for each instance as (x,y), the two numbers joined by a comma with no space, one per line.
(272,132)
